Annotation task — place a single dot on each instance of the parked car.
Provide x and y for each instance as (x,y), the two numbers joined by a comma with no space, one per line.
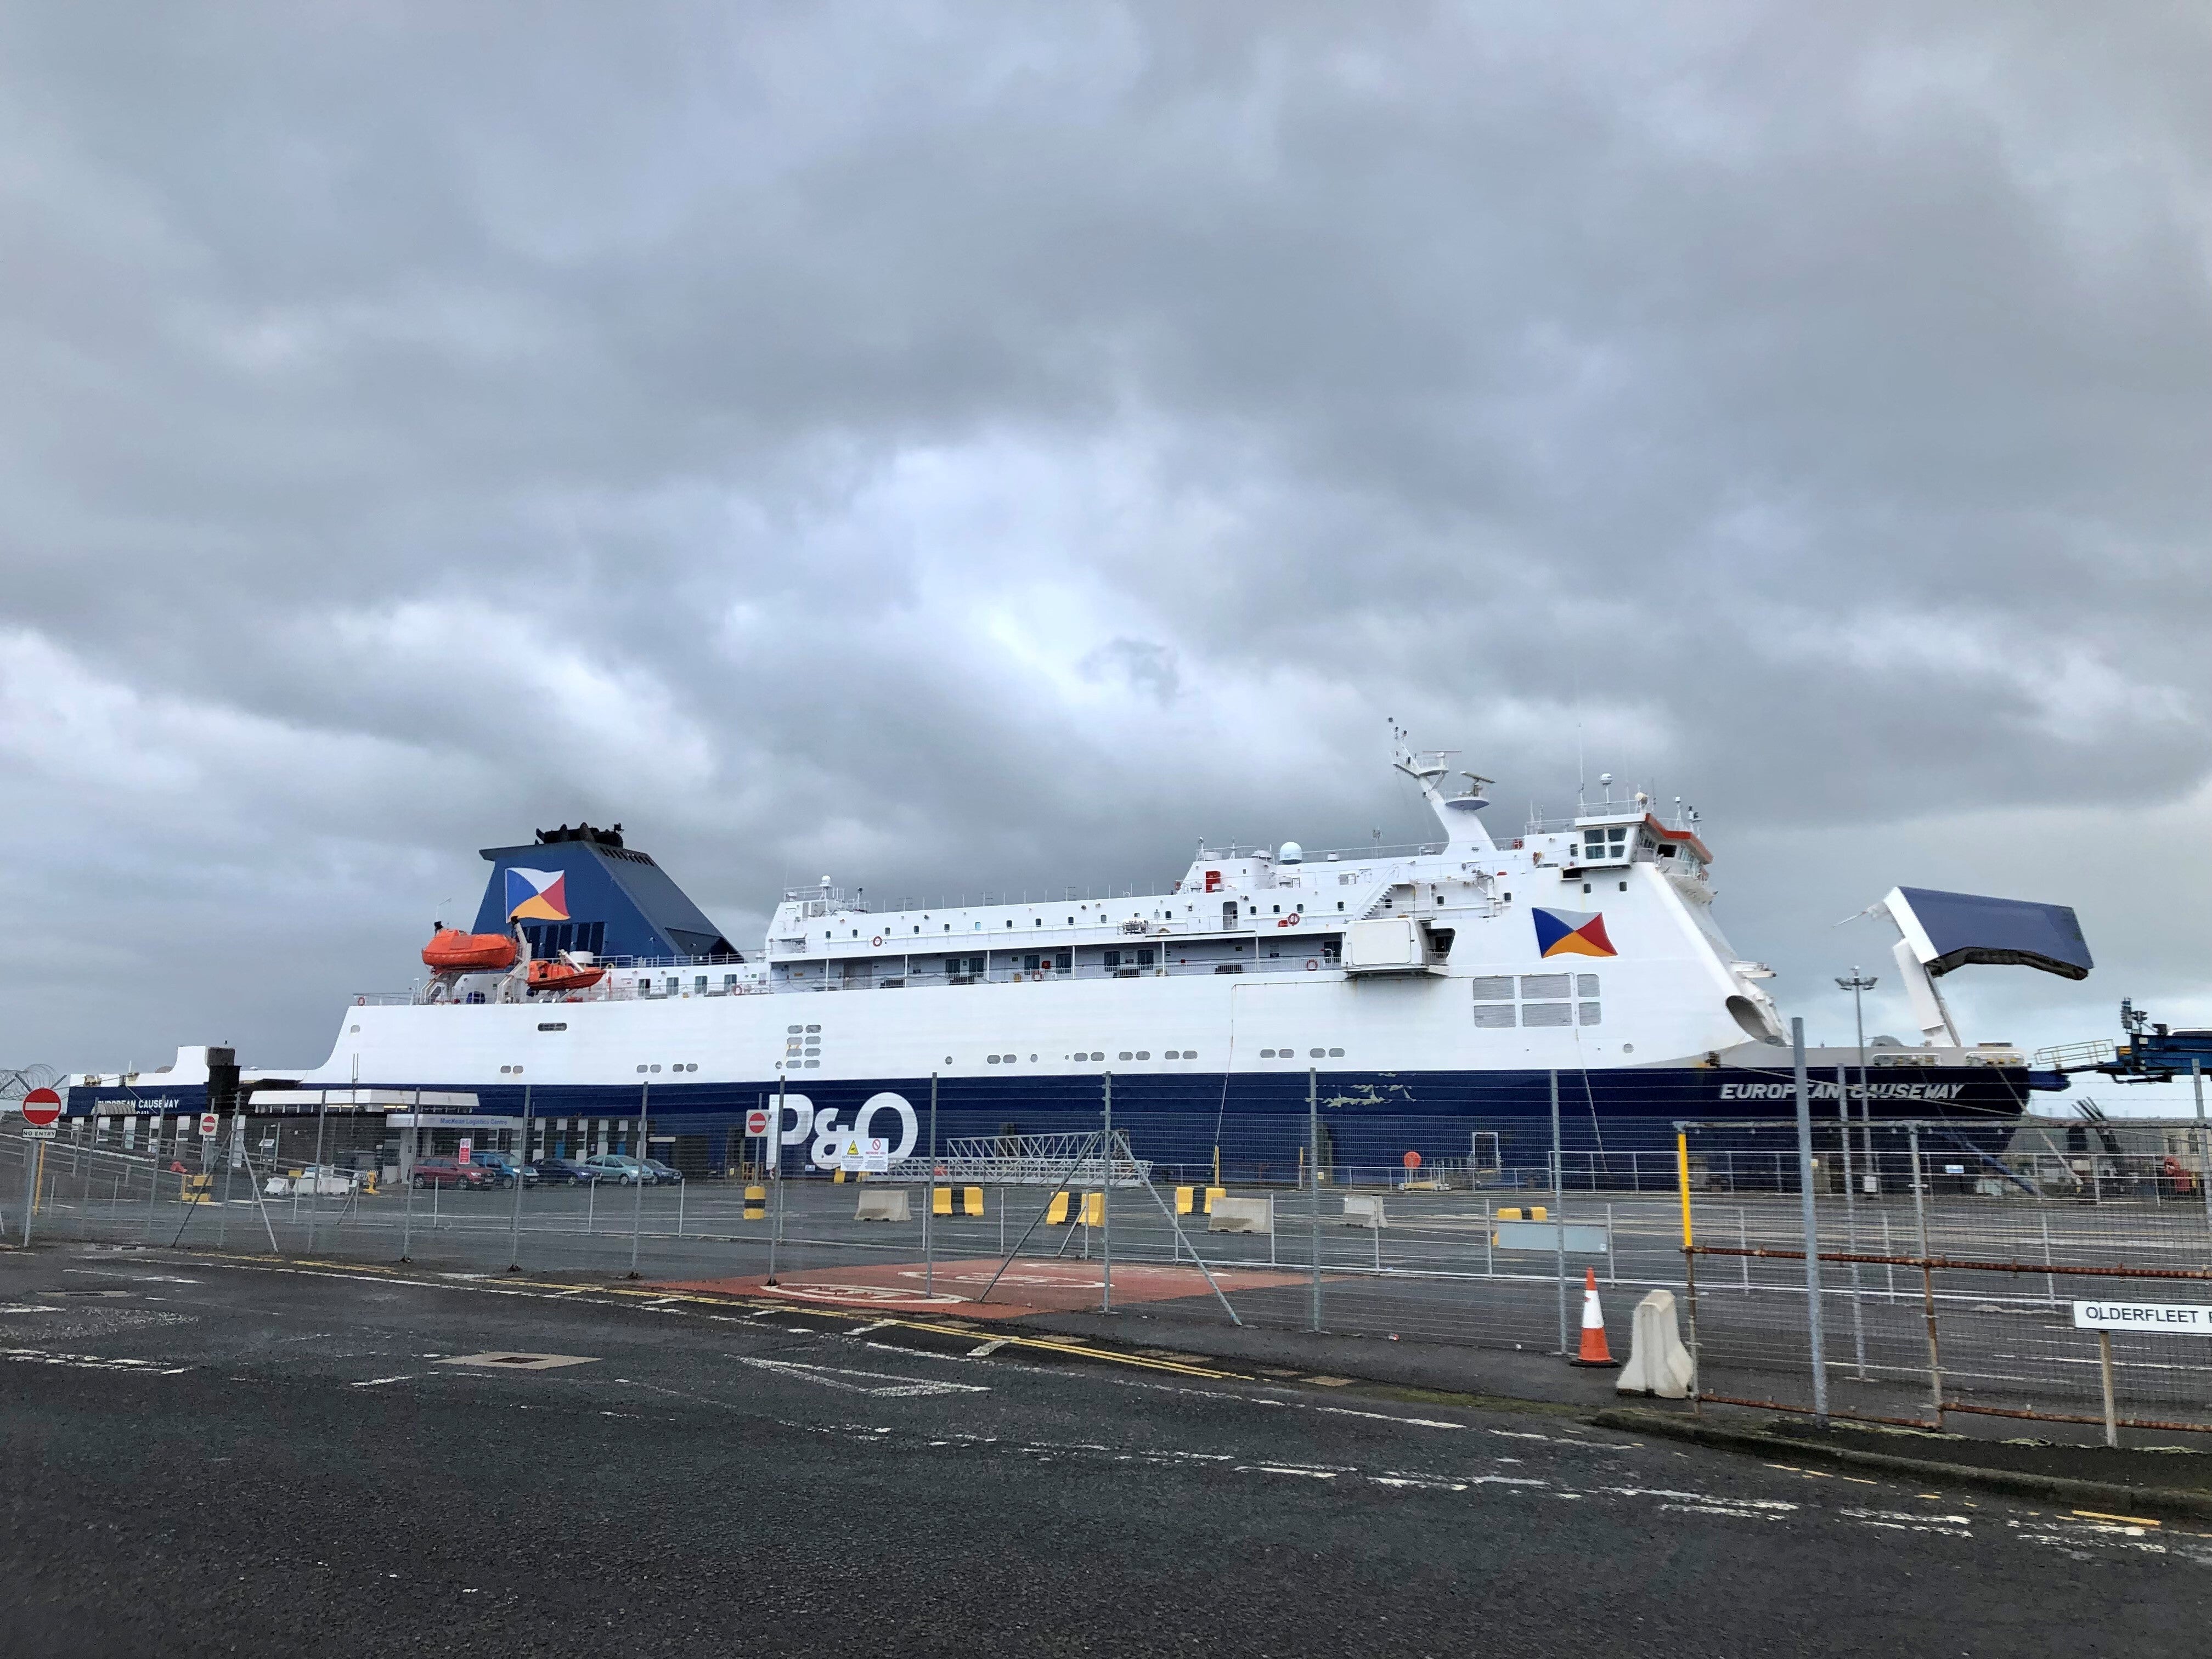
(450,1172)
(663,1171)
(614,1166)
(560,1172)
(505,1168)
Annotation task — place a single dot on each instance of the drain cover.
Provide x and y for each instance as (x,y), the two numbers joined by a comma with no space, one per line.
(521,1362)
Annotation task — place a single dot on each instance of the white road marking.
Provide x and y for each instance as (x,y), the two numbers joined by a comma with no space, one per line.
(90,1362)
(1387,1416)
(984,1350)
(379,1381)
(879,1383)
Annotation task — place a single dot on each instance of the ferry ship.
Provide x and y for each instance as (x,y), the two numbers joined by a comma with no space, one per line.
(1413,1000)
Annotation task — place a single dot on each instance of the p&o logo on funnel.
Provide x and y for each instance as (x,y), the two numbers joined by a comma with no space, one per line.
(537,895)
(1570,933)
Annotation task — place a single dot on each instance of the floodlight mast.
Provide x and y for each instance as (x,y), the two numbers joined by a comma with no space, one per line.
(1858,985)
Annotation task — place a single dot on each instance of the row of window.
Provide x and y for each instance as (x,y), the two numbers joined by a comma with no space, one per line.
(1497,1017)
(692,1067)
(1498,987)
(1292,1054)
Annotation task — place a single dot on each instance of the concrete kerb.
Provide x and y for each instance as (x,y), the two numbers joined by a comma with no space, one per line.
(2164,1501)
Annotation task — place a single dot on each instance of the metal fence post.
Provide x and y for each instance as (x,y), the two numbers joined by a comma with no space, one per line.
(1851,1223)
(637,1206)
(1106,1208)
(2112,1398)
(407,1207)
(1689,1268)
(1927,1281)
(521,1164)
(928,1223)
(1810,1221)
(1558,1211)
(2203,1144)
(775,1175)
(1313,1171)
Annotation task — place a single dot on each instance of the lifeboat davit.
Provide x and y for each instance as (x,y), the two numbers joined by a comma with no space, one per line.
(551,974)
(451,950)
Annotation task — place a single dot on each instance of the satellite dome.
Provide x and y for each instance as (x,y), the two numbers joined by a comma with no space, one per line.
(1291,854)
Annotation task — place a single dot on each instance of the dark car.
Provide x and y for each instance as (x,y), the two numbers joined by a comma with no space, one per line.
(558,1172)
(450,1172)
(663,1172)
(504,1168)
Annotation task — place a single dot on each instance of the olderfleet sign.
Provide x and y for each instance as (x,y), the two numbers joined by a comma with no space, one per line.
(2178,1318)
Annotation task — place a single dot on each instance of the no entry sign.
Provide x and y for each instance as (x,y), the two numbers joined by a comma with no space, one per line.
(208,1125)
(41,1108)
(756,1122)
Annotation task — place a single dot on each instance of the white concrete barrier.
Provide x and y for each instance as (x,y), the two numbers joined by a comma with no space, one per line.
(1658,1363)
(1363,1210)
(883,1204)
(1242,1215)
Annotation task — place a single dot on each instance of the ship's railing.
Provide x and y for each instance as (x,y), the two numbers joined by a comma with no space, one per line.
(2073,1056)
(1322,960)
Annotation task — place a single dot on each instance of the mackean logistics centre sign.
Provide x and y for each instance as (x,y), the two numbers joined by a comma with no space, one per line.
(2180,1319)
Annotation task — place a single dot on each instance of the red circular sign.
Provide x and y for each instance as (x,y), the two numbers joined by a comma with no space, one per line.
(756,1123)
(41,1107)
(1412,1160)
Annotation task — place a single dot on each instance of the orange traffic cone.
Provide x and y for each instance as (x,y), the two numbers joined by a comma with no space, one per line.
(1593,1352)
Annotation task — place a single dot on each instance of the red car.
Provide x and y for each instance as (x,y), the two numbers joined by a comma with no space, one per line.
(450,1172)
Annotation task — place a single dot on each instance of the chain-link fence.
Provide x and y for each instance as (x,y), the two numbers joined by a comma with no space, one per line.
(1956,1274)
(1950,1251)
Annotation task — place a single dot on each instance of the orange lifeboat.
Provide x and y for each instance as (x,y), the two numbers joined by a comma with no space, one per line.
(551,974)
(451,950)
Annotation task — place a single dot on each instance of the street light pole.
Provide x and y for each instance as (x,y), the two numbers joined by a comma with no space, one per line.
(1858,985)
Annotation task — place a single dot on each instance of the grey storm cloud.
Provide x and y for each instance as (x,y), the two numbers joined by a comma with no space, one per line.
(969,446)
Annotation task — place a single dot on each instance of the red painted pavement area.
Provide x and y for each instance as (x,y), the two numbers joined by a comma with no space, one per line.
(1026,1287)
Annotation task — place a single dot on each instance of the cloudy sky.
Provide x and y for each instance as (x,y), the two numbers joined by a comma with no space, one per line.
(954,447)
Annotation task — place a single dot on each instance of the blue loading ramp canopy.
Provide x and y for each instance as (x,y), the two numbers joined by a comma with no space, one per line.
(1960,929)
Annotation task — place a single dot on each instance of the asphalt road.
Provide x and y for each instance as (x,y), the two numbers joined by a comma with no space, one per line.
(245,1458)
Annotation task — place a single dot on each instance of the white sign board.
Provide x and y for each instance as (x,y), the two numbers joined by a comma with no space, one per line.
(2178,1318)
(756,1122)
(208,1124)
(1582,1237)
(869,1157)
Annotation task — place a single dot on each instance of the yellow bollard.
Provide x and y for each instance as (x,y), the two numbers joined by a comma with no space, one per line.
(755,1204)
(971,1199)
(940,1201)
(1094,1209)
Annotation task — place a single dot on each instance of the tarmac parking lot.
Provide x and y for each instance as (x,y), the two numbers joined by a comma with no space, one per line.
(219,1455)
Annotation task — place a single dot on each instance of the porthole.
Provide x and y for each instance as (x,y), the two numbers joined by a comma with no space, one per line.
(504,1070)
(1336,1053)
(1032,1059)
(518,1070)
(1097,1054)
(1144,1054)
(1190,1053)
(990,1060)
(1628,1047)
(812,1065)
(1267,1054)
(354,1030)
(640,1068)
(1316,1054)
(1126,1054)
(795,1029)
(1172,1054)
